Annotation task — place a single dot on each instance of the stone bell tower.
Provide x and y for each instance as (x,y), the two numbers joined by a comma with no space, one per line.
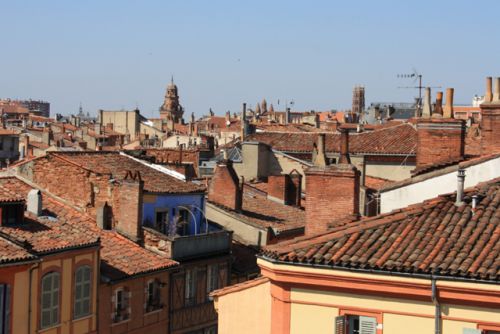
(171,109)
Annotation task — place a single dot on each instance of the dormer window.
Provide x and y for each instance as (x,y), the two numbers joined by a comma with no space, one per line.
(12,213)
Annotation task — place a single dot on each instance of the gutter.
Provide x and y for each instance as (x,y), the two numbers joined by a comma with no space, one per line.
(380,272)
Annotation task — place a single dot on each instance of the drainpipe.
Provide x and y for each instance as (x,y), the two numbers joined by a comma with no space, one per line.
(35,266)
(437,316)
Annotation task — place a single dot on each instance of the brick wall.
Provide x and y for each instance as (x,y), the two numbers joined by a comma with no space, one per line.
(155,322)
(490,128)
(284,188)
(224,188)
(277,186)
(332,194)
(127,208)
(439,140)
(168,155)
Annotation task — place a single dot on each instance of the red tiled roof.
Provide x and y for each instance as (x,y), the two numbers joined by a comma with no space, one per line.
(120,256)
(288,128)
(240,286)
(10,252)
(43,234)
(433,237)
(398,139)
(266,213)
(39,145)
(117,165)
(376,182)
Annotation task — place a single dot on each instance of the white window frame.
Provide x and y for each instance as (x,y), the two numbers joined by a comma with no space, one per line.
(80,286)
(121,313)
(153,295)
(52,296)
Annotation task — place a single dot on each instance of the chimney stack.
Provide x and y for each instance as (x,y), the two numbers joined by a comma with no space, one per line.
(34,204)
(224,188)
(426,112)
(460,187)
(490,120)
(488,96)
(439,140)
(344,147)
(287,115)
(496,94)
(438,109)
(127,207)
(320,156)
(448,108)
(284,188)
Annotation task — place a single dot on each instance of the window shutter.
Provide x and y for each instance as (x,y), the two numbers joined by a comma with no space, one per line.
(340,325)
(178,291)
(7,309)
(201,289)
(2,311)
(222,276)
(367,325)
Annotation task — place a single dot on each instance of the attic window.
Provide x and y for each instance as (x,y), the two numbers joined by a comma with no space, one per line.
(12,214)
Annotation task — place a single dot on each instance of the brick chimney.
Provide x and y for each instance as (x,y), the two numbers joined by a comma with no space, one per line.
(490,123)
(127,208)
(439,140)
(285,188)
(224,188)
(332,193)
(344,147)
(448,108)
(319,158)
(438,108)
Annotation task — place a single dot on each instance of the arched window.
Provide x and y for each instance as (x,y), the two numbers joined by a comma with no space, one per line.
(50,300)
(83,285)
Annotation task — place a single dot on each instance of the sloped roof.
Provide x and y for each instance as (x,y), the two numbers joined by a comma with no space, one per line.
(400,139)
(120,257)
(434,237)
(117,165)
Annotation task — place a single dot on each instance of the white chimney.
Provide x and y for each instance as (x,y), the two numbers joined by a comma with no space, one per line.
(460,187)
(34,204)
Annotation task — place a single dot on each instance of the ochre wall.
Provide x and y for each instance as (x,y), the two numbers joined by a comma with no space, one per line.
(246,311)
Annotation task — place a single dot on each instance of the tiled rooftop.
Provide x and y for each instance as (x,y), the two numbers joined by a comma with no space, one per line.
(120,256)
(262,212)
(117,165)
(10,252)
(433,237)
(398,139)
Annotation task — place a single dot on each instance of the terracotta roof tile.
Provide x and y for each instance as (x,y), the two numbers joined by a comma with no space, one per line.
(120,256)
(398,139)
(433,237)
(10,252)
(265,213)
(117,165)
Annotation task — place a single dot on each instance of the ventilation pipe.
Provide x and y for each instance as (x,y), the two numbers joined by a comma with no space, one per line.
(460,187)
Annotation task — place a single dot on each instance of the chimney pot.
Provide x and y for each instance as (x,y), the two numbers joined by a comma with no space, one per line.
(488,96)
(460,187)
(426,112)
(448,108)
(496,94)
(438,109)
(320,158)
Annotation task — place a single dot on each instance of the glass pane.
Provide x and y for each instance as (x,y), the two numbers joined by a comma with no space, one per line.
(79,275)
(78,309)
(55,298)
(86,306)
(86,290)
(45,318)
(46,303)
(78,292)
(87,274)
(47,283)
(55,315)
(55,279)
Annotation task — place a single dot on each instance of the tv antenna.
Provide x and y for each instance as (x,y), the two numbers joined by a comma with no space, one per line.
(416,77)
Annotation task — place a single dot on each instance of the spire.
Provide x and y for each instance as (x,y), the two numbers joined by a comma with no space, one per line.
(172,79)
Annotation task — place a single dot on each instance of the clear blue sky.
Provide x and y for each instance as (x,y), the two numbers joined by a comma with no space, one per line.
(119,54)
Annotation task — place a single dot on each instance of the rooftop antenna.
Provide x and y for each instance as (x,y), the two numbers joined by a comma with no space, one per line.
(416,76)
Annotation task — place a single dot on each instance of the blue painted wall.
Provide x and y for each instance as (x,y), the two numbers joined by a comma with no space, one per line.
(173,203)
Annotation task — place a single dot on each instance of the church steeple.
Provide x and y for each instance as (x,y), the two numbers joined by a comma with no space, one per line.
(171,108)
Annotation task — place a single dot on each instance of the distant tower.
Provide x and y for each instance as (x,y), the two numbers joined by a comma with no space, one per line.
(358,101)
(80,111)
(263,106)
(171,109)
